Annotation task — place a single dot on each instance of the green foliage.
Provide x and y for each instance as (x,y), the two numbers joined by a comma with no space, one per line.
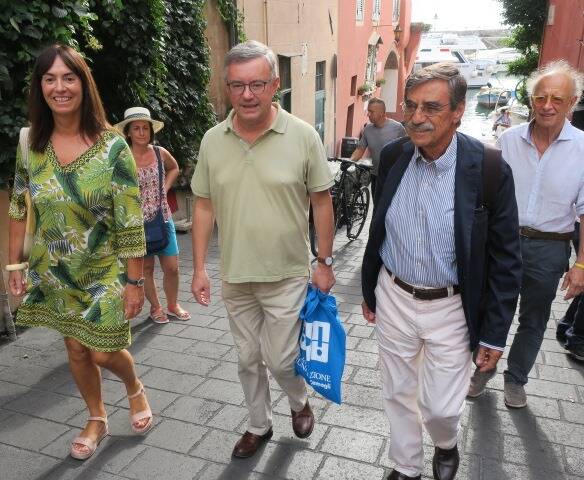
(233,17)
(25,28)
(151,53)
(186,108)
(527,17)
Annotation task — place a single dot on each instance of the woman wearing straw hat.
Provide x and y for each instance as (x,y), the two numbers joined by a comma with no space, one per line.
(85,265)
(139,128)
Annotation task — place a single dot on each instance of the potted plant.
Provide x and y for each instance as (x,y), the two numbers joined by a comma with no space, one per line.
(379,82)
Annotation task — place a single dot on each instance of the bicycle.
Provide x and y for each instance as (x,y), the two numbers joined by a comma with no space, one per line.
(351,198)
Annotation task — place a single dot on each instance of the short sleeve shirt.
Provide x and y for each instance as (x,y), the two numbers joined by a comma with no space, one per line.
(260,196)
(375,138)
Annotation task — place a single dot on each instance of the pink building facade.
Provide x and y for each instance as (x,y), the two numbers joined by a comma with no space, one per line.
(377,46)
(563,34)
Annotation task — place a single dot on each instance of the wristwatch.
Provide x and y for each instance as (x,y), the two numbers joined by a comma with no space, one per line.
(328,261)
(136,283)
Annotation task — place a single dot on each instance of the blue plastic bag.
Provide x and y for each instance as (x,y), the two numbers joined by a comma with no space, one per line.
(321,359)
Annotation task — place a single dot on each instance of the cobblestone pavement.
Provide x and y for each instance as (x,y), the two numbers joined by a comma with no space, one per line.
(190,373)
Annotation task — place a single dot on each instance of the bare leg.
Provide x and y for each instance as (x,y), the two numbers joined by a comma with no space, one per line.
(170,283)
(121,364)
(170,280)
(87,376)
(149,285)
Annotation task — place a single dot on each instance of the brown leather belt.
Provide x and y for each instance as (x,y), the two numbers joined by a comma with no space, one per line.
(424,293)
(536,234)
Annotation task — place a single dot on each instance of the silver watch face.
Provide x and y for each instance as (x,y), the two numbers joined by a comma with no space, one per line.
(328,261)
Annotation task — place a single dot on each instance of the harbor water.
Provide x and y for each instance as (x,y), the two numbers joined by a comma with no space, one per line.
(476,120)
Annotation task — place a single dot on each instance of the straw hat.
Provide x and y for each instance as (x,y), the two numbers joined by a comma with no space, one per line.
(138,113)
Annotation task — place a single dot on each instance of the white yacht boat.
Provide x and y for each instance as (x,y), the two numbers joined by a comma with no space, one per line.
(476,75)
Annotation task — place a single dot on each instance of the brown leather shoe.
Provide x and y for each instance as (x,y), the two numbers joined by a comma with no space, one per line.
(303,421)
(249,443)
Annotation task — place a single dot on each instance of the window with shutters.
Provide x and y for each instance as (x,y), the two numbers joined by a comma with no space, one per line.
(395,13)
(359,16)
(376,15)
(284,70)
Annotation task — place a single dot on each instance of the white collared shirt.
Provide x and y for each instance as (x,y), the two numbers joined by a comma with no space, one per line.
(550,188)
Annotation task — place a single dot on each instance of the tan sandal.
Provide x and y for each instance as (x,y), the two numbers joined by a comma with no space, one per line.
(159,316)
(88,442)
(141,415)
(178,313)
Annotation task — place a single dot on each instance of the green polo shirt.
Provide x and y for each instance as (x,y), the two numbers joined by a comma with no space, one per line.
(260,199)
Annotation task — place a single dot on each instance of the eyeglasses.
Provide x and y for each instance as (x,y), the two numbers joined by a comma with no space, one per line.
(429,109)
(557,100)
(256,87)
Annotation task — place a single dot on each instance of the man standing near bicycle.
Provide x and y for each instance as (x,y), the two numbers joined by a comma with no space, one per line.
(441,270)
(376,135)
(256,173)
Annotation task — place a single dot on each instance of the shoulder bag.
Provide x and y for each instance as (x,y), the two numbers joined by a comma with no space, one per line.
(155,229)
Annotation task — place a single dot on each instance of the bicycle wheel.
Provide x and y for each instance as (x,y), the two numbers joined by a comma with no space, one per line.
(357,211)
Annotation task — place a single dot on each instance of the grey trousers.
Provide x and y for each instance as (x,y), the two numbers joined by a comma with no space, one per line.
(544,264)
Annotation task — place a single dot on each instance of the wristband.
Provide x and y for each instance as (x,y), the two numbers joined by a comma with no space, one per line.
(14,267)
(579,265)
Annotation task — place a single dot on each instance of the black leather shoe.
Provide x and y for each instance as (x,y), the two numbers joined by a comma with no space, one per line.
(445,463)
(249,444)
(395,475)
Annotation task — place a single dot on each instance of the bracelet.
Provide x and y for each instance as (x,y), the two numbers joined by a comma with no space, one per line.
(14,267)
(579,265)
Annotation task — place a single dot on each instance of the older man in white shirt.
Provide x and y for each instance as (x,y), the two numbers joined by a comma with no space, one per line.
(547,159)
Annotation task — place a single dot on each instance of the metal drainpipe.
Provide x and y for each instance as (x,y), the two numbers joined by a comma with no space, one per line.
(267,40)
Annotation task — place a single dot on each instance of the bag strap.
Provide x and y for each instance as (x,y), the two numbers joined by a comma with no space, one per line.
(157,152)
(24,145)
(491,175)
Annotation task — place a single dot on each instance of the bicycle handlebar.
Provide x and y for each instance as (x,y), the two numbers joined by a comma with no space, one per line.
(346,163)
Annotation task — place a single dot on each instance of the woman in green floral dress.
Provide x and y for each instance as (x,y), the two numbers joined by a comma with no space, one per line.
(85,266)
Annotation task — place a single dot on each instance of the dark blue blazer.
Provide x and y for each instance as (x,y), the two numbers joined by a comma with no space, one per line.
(488,257)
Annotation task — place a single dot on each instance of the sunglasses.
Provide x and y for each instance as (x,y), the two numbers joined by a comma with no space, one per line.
(557,100)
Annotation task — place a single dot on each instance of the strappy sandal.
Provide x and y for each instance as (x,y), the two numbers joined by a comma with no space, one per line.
(141,415)
(88,442)
(178,313)
(159,316)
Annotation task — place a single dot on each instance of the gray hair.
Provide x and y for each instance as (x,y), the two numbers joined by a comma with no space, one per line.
(378,101)
(557,67)
(441,71)
(250,50)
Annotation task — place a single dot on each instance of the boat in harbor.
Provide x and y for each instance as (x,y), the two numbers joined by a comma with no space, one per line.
(493,97)
(475,76)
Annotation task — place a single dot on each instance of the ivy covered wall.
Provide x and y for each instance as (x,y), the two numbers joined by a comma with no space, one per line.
(151,53)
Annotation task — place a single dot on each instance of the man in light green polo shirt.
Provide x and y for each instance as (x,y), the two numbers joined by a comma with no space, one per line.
(256,174)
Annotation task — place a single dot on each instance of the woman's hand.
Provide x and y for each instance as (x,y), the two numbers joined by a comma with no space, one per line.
(17,283)
(133,301)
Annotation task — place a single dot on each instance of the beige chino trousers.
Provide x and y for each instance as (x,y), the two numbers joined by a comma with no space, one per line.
(425,362)
(265,324)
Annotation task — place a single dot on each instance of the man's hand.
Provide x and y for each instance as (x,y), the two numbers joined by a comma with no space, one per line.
(574,282)
(201,289)
(323,278)
(367,313)
(487,358)
(16,283)
(133,300)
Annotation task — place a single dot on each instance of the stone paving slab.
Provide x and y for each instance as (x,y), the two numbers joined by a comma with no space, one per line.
(190,372)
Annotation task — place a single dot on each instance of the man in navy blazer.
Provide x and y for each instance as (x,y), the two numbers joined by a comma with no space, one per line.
(441,270)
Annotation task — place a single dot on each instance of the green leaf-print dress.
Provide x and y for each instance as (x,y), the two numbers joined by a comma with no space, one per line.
(88,218)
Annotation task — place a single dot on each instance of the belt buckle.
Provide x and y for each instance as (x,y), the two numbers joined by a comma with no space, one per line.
(416,291)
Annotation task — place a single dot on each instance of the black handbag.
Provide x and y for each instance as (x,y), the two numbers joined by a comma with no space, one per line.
(155,229)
